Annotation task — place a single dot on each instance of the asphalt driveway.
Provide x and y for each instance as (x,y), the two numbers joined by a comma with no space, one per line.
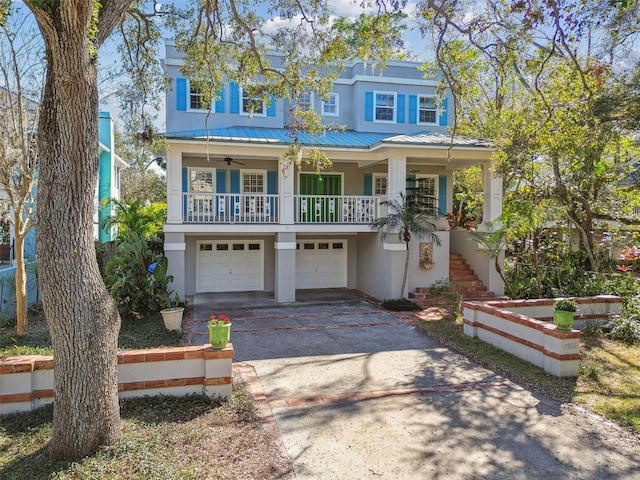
(360,393)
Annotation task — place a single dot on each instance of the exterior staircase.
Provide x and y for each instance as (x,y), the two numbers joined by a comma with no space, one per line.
(463,282)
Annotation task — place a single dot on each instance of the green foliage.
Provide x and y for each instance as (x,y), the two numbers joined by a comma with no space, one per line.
(136,290)
(401,305)
(468,200)
(565,305)
(626,328)
(145,220)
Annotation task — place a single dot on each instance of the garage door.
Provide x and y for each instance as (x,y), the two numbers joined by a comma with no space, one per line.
(230,266)
(321,264)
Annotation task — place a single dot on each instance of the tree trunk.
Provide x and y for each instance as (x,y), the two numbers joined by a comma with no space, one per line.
(406,270)
(21,281)
(83,319)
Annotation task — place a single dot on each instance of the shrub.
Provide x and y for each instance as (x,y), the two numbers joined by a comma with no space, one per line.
(625,329)
(137,289)
(401,305)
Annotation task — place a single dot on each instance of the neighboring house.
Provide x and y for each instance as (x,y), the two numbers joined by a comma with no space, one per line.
(110,167)
(108,187)
(239,220)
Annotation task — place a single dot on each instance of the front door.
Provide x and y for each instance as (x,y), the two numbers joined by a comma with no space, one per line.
(313,207)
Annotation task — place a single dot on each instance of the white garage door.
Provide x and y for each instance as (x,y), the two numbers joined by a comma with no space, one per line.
(230,266)
(321,264)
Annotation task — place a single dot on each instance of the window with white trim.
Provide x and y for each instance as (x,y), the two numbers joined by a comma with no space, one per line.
(305,101)
(201,182)
(384,107)
(380,184)
(427,186)
(427,110)
(197,100)
(330,105)
(254,187)
(252,105)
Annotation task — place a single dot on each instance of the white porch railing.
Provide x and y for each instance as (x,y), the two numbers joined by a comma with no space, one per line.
(230,208)
(346,209)
(263,208)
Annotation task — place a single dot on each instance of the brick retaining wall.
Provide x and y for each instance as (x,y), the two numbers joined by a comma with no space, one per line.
(26,382)
(510,326)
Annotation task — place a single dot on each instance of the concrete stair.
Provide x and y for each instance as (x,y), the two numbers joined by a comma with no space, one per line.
(462,282)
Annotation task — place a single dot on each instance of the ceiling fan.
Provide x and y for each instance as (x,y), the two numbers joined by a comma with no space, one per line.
(230,160)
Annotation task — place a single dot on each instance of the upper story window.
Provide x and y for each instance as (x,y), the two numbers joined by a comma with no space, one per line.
(197,100)
(252,105)
(385,107)
(201,180)
(305,101)
(427,111)
(379,184)
(330,105)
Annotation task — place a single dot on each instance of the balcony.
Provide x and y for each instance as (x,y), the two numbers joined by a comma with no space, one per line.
(250,208)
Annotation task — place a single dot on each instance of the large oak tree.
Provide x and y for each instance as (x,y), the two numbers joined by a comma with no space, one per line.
(82,318)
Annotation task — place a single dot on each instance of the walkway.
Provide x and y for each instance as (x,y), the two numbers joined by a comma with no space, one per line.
(359,393)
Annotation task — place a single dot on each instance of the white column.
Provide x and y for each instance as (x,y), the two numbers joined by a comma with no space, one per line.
(397,181)
(285,281)
(492,194)
(175,250)
(286,176)
(174,188)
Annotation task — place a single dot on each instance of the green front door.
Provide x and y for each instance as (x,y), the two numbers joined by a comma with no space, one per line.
(313,205)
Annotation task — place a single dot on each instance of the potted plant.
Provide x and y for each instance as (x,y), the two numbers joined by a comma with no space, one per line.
(172,310)
(219,330)
(563,313)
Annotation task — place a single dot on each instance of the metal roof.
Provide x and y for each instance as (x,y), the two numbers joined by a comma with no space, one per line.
(341,139)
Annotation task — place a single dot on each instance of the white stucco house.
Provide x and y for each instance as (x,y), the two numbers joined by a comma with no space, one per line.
(241,220)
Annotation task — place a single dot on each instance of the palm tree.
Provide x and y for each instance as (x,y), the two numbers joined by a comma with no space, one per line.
(408,216)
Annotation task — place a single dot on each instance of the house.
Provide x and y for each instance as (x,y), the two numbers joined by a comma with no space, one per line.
(109,169)
(110,166)
(241,220)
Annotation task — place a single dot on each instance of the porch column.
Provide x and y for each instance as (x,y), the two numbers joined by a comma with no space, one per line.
(286,177)
(492,194)
(174,249)
(174,187)
(397,181)
(285,281)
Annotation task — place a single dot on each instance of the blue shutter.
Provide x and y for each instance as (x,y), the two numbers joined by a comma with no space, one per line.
(413,109)
(368,106)
(181,93)
(271,111)
(221,181)
(235,181)
(220,101)
(234,97)
(368,184)
(272,182)
(185,188)
(401,109)
(443,114)
(442,195)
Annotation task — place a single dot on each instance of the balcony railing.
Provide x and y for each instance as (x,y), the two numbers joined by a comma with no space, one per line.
(230,208)
(349,209)
(262,208)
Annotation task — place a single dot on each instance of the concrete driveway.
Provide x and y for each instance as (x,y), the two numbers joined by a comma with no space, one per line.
(359,393)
